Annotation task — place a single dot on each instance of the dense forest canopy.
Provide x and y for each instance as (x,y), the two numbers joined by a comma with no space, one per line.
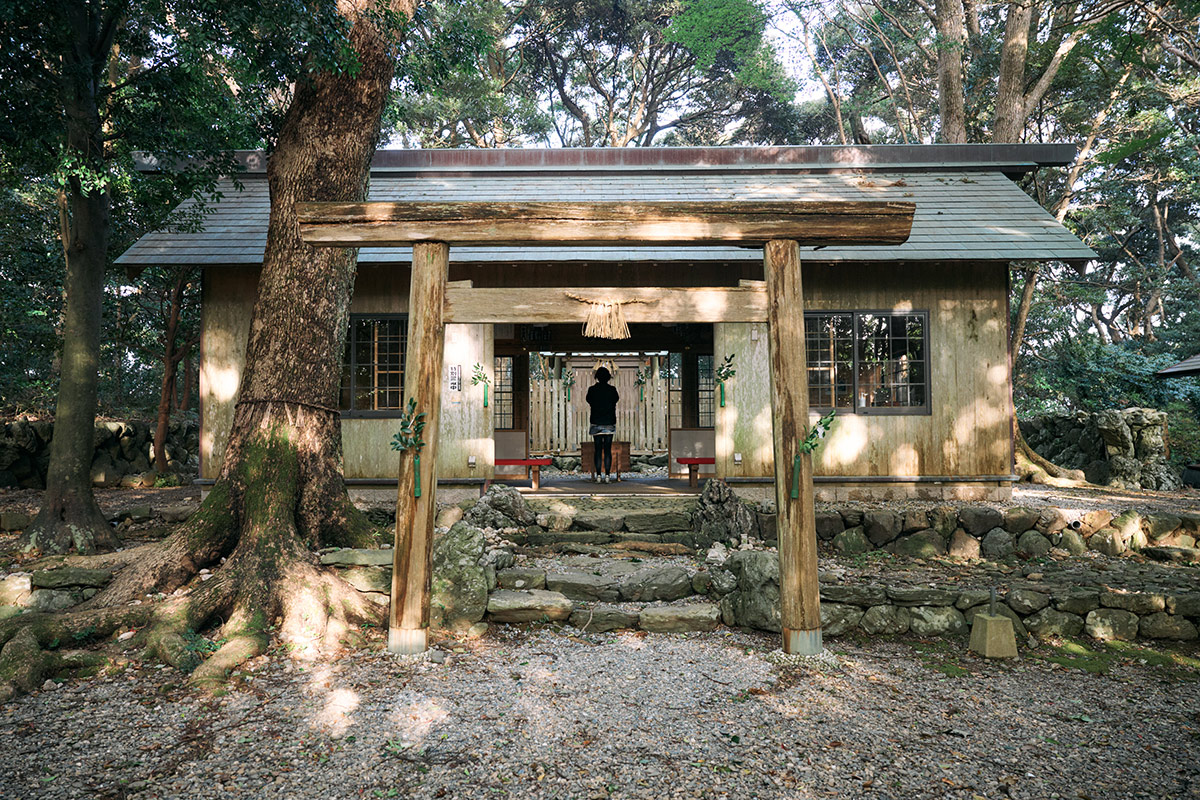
(1120,78)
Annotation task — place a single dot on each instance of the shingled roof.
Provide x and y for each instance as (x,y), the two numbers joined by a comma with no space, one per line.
(1189,366)
(967,207)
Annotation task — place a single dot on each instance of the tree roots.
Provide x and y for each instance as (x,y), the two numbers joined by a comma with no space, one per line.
(266,585)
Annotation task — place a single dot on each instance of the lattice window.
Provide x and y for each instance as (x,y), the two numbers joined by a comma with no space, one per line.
(502,393)
(871,362)
(705,390)
(373,370)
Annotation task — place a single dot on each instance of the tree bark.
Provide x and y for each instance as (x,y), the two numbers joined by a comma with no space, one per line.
(1009,122)
(69,516)
(951,44)
(171,358)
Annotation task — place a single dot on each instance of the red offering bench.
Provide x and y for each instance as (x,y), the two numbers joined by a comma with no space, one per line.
(693,465)
(535,465)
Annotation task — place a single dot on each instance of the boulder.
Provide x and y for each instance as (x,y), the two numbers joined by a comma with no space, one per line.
(1138,602)
(601,618)
(599,521)
(530,606)
(969,598)
(1173,555)
(70,576)
(978,520)
(936,621)
(14,521)
(1073,543)
(923,544)
(448,517)
(997,543)
(1107,541)
(1020,519)
(1027,601)
(521,578)
(915,520)
(52,599)
(944,520)
(920,596)
(679,619)
(1107,624)
(829,525)
(885,619)
(553,521)
(839,618)
(15,589)
(1051,520)
(881,527)
(501,507)
(1187,605)
(1077,601)
(963,545)
(852,517)
(459,587)
(1161,625)
(1157,526)
(1032,544)
(582,585)
(768,527)
(852,542)
(720,516)
(863,596)
(656,583)
(1051,623)
(755,601)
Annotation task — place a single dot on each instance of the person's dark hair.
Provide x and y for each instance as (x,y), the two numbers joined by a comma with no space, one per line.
(603,375)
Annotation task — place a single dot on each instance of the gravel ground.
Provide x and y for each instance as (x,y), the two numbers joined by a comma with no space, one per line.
(546,714)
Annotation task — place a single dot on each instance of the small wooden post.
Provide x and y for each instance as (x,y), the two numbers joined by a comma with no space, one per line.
(411,563)
(799,593)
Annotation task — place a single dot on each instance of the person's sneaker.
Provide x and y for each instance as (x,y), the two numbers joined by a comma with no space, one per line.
(605,478)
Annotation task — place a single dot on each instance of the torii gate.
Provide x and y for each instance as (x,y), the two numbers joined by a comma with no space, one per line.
(779,227)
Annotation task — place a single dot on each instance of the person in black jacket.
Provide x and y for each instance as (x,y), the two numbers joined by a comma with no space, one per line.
(602,398)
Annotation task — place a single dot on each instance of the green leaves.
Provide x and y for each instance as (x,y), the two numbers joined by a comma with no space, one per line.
(816,434)
(726,369)
(479,376)
(412,425)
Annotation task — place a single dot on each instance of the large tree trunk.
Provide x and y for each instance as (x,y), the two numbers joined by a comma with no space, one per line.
(950,52)
(69,517)
(1011,107)
(280,492)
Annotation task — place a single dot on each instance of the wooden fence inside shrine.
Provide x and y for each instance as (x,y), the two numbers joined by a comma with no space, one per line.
(558,425)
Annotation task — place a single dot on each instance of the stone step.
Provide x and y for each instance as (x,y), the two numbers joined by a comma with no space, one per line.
(537,605)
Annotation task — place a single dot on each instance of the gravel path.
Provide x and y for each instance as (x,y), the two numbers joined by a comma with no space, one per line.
(544,714)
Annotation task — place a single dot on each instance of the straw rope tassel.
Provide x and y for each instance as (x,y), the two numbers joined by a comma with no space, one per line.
(605,318)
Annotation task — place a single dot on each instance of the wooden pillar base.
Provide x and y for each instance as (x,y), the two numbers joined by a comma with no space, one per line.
(802,643)
(406,641)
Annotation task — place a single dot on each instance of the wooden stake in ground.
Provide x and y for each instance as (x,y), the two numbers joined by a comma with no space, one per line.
(799,594)
(411,563)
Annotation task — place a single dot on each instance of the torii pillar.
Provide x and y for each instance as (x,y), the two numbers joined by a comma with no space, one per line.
(799,593)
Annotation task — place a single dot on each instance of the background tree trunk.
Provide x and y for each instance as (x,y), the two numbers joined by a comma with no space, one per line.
(69,517)
(951,43)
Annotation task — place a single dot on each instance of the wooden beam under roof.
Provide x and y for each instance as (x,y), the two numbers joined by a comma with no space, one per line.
(630,223)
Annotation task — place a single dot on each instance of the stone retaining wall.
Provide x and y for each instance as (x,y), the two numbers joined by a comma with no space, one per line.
(122,458)
(1122,448)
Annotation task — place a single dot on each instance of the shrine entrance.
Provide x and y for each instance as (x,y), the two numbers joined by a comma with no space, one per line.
(779,227)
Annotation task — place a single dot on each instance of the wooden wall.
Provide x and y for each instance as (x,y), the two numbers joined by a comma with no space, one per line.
(466,427)
(744,424)
(966,432)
